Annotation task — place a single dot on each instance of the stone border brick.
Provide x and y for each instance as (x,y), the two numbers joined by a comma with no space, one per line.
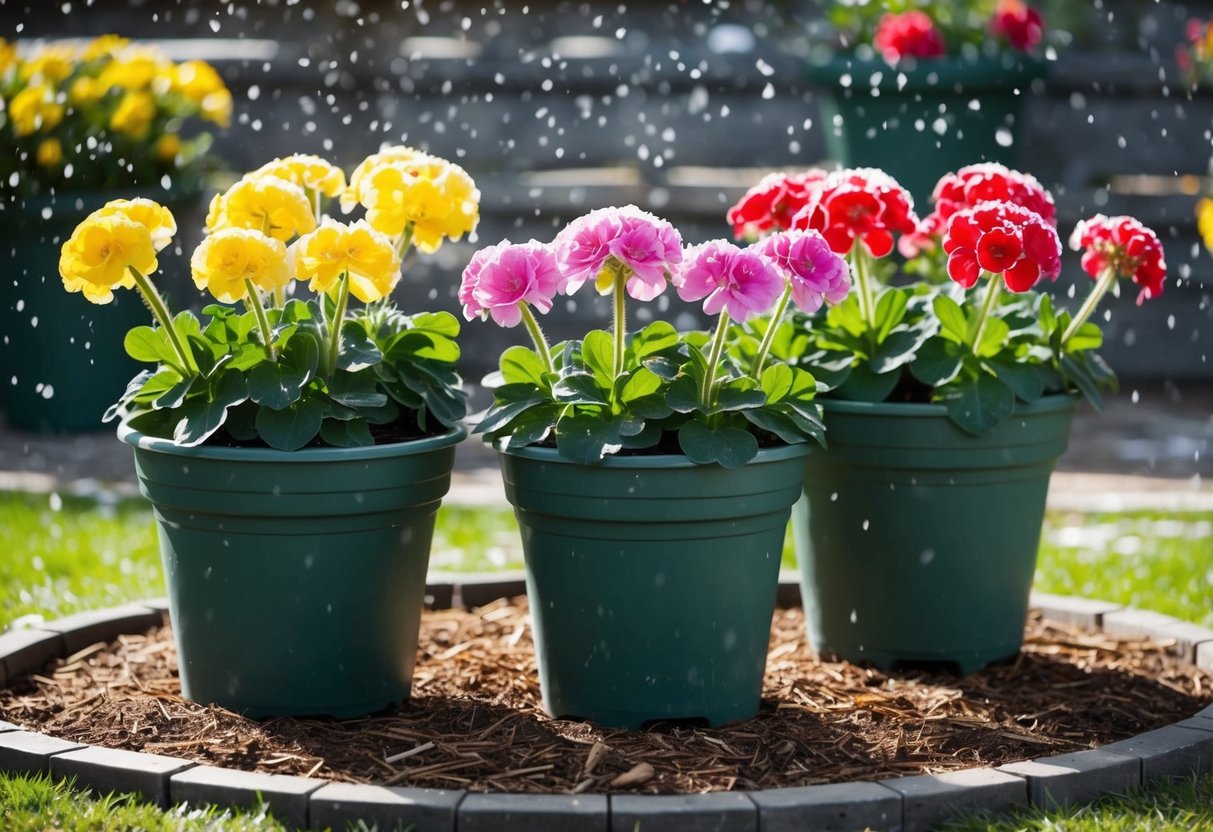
(106,770)
(533,813)
(418,810)
(910,802)
(286,795)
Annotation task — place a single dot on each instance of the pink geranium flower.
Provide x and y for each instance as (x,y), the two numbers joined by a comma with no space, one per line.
(817,275)
(648,248)
(739,281)
(501,278)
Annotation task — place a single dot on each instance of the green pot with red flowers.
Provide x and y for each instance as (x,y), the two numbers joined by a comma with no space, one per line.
(295,442)
(947,402)
(915,88)
(652,472)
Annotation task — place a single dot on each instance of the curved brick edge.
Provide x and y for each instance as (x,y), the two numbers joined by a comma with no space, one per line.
(906,803)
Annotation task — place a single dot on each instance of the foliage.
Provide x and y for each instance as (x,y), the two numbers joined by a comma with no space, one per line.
(958,26)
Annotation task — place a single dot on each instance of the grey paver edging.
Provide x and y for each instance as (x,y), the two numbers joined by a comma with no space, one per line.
(905,803)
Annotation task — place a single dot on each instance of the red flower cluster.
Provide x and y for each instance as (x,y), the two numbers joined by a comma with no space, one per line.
(771,204)
(1019,23)
(859,204)
(971,186)
(1001,238)
(908,35)
(1125,245)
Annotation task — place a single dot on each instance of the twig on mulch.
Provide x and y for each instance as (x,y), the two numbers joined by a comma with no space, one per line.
(475,720)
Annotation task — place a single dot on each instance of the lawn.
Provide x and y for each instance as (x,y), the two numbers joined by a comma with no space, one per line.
(65,554)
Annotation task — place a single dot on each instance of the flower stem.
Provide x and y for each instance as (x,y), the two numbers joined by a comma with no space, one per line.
(863,282)
(279,293)
(541,343)
(992,294)
(621,322)
(708,393)
(161,313)
(343,301)
(1107,279)
(253,301)
(768,338)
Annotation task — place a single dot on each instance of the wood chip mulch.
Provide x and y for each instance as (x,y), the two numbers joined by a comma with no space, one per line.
(475,722)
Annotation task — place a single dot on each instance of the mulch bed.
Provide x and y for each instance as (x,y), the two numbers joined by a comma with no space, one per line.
(475,722)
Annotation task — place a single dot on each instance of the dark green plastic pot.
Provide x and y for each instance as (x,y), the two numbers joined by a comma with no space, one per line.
(62,356)
(890,118)
(916,541)
(296,579)
(652,580)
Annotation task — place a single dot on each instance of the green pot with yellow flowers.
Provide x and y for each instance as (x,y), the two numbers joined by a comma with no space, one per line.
(81,126)
(296,441)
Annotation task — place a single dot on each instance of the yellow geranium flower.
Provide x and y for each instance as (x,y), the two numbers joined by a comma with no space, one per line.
(85,91)
(1204,221)
(35,108)
(8,56)
(335,248)
(50,64)
(195,80)
(167,147)
(134,69)
(97,258)
(267,204)
(153,216)
(217,108)
(103,46)
(229,257)
(389,155)
(306,171)
(134,114)
(436,198)
(49,153)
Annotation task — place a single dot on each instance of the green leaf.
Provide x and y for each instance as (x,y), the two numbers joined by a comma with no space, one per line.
(279,384)
(847,317)
(439,323)
(938,361)
(1088,337)
(154,386)
(777,382)
(186,324)
(890,311)
(977,406)
(355,390)
(294,426)
(663,367)
(1045,314)
(1025,380)
(519,364)
(385,415)
(654,338)
(953,324)
(201,416)
(143,343)
(646,438)
(683,395)
(585,438)
(993,337)
(241,421)
(1076,374)
(897,350)
(247,356)
(638,384)
(773,421)
(830,369)
(866,386)
(580,388)
(358,351)
(351,433)
(504,412)
(733,396)
(597,353)
(728,445)
(532,426)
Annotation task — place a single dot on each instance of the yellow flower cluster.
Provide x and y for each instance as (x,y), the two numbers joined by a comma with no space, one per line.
(367,258)
(231,259)
(423,196)
(276,207)
(308,172)
(1204,221)
(113,242)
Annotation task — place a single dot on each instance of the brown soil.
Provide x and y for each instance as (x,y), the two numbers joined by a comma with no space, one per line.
(475,720)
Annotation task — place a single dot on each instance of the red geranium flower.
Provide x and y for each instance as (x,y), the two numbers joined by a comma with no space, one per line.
(908,35)
(1124,244)
(771,204)
(971,186)
(859,204)
(1001,238)
(1021,24)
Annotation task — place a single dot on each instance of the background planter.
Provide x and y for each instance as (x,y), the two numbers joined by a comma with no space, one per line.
(916,121)
(916,541)
(296,579)
(63,359)
(652,580)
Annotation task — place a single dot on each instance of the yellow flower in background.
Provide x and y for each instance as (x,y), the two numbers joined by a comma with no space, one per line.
(195,80)
(104,46)
(134,69)
(50,153)
(153,216)
(217,108)
(267,204)
(1204,221)
(85,91)
(335,248)
(35,108)
(306,171)
(50,64)
(387,156)
(435,198)
(134,114)
(229,257)
(167,147)
(97,257)
(8,56)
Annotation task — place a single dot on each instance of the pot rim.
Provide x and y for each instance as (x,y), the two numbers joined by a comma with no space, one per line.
(986,72)
(1052,403)
(650,461)
(141,441)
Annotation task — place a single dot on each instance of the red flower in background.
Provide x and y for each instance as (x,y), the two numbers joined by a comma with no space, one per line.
(862,204)
(971,186)
(1124,244)
(771,204)
(1001,238)
(1019,23)
(908,35)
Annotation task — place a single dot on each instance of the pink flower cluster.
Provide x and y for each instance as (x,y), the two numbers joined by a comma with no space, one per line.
(1019,23)
(647,247)
(816,273)
(1125,245)
(909,34)
(863,204)
(1001,238)
(502,277)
